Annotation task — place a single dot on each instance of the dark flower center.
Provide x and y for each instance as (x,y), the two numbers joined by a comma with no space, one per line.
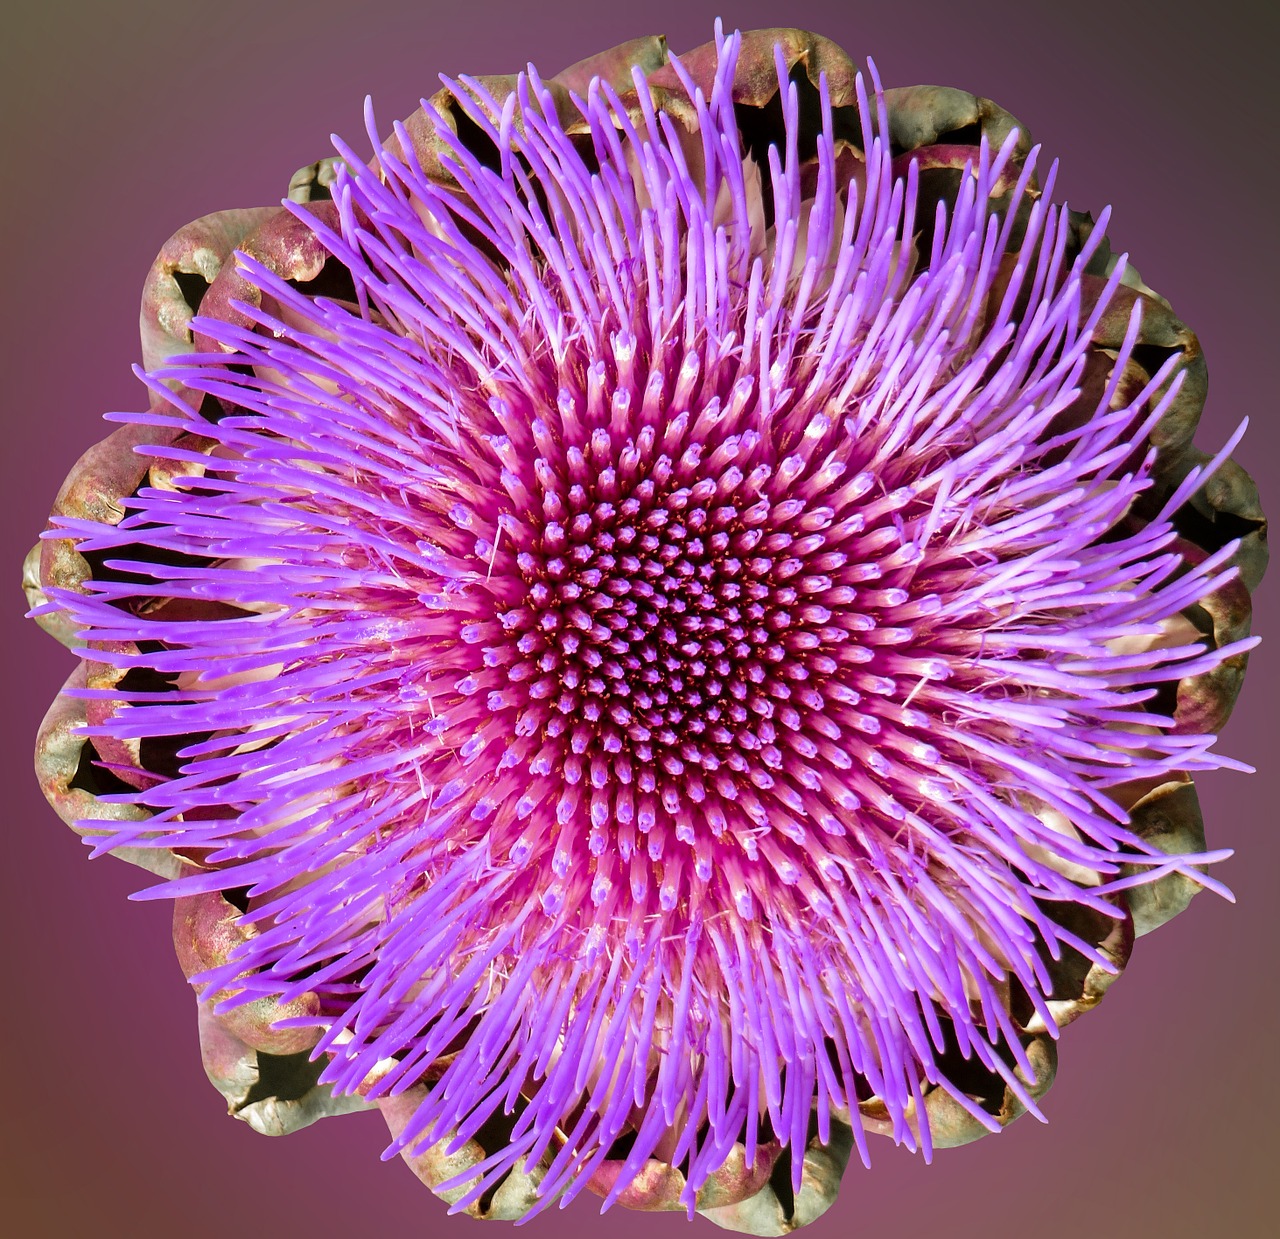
(678,627)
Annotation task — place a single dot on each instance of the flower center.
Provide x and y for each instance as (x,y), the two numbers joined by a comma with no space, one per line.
(673,634)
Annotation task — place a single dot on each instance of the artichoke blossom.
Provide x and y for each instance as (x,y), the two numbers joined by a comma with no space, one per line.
(656,629)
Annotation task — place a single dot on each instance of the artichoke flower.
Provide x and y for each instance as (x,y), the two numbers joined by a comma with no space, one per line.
(656,629)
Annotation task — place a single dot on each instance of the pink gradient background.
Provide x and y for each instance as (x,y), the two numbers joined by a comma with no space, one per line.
(125,121)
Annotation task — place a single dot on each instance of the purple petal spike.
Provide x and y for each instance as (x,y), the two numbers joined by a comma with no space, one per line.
(657,628)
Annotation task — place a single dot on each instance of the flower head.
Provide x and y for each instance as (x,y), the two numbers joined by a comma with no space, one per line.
(655,625)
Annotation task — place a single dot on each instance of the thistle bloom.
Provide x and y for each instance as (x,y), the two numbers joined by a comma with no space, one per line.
(661,626)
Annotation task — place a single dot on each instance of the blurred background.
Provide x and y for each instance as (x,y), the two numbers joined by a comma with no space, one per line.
(122,122)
